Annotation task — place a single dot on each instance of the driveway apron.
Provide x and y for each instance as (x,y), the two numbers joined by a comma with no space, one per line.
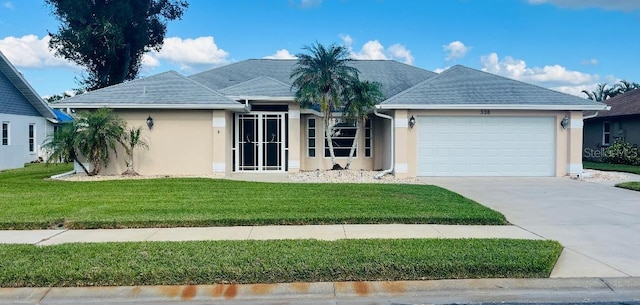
(598,224)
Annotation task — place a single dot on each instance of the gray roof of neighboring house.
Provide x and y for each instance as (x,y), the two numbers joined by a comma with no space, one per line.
(459,86)
(17,96)
(259,86)
(392,75)
(623,104)
(164,89)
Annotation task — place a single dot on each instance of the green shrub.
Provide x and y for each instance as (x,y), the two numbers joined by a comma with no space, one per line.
(621,152)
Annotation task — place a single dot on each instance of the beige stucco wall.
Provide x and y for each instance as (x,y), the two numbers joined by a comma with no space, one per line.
(568,141)
(181,142)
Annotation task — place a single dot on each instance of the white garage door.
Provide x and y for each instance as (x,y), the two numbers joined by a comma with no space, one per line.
(486,146)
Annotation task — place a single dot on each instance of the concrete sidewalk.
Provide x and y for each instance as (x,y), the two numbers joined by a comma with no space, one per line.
(322,232)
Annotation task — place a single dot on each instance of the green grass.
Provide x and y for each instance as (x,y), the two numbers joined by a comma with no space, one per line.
(173,263)
(29,201)
(635,186)
(612,167)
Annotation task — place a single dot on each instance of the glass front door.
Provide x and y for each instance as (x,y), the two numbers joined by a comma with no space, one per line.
(260,142)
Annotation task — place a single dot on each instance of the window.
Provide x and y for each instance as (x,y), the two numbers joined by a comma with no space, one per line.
(32,137)
(367,138)
(5,133)
(311,138)
(343,135)
(606,133)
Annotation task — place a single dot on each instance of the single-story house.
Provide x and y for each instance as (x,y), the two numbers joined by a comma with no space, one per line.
(601,129)
(243,118)
(26,119)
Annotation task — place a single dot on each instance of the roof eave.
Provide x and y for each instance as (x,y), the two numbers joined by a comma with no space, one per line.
(153,106)
(25,88)
(261,98)
(489,106)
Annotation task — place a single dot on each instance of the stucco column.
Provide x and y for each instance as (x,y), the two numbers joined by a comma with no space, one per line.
(401,167)
(574,145)
(220,141)
(294,138)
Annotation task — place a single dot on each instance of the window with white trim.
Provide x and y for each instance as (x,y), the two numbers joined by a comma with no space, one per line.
(32,137)
(367,138)
(606,133)
(311,137)
(342,136)
(5,133)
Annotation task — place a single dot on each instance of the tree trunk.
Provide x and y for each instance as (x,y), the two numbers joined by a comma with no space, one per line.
(356,138)
(86,171)
(327,133)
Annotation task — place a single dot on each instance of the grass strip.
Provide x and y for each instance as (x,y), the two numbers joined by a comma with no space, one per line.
(612,167)
(29,201)
(634,186)
(274,261)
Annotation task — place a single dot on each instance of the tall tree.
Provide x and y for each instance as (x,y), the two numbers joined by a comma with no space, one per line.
(623,86)
(600,94)
(109,37)
(321,76)
(361,97)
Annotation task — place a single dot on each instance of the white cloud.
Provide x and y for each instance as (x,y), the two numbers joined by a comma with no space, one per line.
(440,70)
(8,5)
(624,5)
(589,62)
(29,51)
(455,49)
(188,53)
(400,52)
(373,49)
(551,76)
(281,54)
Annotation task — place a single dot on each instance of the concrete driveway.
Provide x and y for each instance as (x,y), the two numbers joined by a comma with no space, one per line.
(598,224)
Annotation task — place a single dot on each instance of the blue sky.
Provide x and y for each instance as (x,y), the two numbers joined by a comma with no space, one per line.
(566,45)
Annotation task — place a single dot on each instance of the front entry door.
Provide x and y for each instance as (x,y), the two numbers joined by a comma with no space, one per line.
(260,141)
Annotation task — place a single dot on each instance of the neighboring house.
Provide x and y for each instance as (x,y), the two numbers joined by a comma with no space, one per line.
(622,121)
(243,118)
(26,119)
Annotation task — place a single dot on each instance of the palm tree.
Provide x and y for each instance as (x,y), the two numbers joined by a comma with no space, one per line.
(132,140)
(622,87)
(98,132)
(362,96)
(601,94)
(60,146)
(321,76)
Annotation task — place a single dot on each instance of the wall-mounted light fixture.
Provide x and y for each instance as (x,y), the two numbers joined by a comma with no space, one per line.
(565,122)
(150,122)
(412,122)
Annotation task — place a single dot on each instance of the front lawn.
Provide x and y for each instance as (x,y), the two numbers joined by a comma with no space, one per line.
(635,186)
(612,167)
(210,262)
(29,201)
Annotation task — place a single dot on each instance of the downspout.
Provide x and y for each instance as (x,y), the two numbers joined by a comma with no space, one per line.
(390,169)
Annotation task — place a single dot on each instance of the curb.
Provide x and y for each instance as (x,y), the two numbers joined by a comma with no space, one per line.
(476,289)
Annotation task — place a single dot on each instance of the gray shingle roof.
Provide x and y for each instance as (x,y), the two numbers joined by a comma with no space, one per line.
(259,86)
(461,85)
(17,96)
(623,104)
(392,75)
(168,88)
